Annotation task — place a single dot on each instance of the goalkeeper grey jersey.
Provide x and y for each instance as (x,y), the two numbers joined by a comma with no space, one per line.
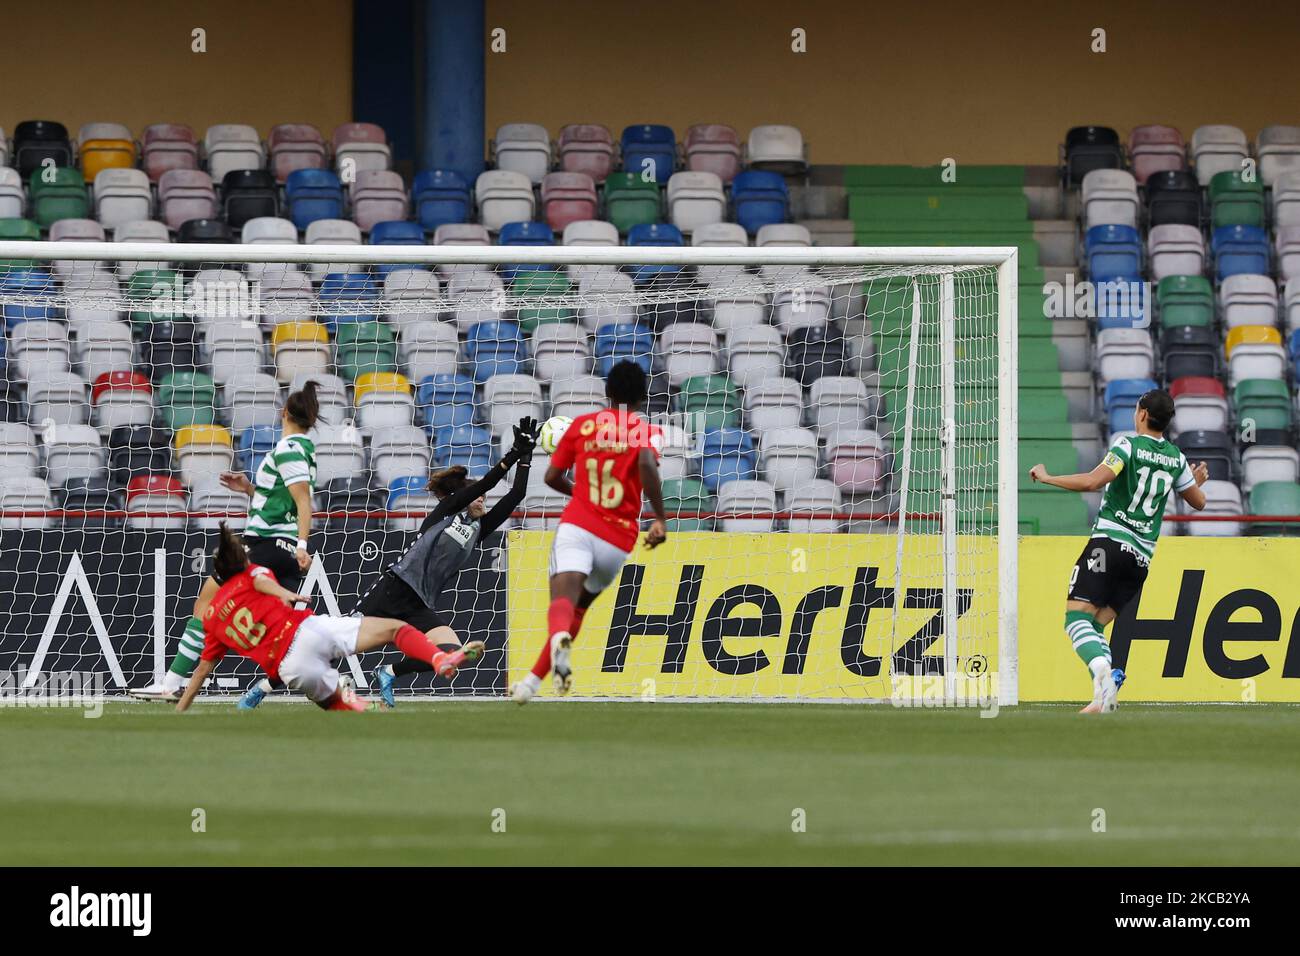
(435,557)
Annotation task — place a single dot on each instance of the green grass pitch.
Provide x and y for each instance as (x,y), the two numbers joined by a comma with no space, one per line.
(604,783)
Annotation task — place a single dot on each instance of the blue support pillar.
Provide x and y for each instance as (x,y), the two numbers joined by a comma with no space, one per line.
(453,104)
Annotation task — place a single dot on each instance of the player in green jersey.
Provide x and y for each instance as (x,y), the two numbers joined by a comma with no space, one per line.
(1138,474)
(279,520)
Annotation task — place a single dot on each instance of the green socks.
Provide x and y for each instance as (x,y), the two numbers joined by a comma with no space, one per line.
(1081,627)
(191,646)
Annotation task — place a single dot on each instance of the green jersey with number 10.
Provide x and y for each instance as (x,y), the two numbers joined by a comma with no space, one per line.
(1146,469)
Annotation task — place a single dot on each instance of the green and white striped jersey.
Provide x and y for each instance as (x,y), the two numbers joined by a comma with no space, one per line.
(273,513)
(1133,505)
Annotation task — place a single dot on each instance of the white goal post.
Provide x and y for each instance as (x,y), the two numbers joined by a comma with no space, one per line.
(930,333)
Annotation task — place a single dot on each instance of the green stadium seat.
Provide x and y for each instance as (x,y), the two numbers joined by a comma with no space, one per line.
(712,398)
(630,201)
(1235,201)
(147,285)
(57,193)
(1275,498)
(18,230)
(186,398)
(362,347)
(687,494)
(1263,406)
(537,285)
(1185,300)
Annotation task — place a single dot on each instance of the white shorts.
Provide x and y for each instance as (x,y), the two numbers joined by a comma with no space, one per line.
(577,549)
(308,667)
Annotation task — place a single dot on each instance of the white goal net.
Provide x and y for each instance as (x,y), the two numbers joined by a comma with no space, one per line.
(839,460)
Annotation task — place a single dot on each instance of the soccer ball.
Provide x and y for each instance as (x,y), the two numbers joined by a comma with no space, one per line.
(553,430)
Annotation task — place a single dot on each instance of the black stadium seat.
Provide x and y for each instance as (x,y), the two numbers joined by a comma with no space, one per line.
(1173,199)
(247,194)
(35,141)
(140,450)
(1088,148)
(1213,448)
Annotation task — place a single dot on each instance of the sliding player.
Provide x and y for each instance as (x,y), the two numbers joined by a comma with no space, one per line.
(615,455)
(279,521)
(254,616)
(1137,474)
(410,588)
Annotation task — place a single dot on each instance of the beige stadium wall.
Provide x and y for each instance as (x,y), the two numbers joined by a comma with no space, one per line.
(983,82)
(130,61)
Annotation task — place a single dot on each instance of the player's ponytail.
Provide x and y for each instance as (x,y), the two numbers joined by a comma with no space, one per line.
(230,558)
(449,480)
(303,407)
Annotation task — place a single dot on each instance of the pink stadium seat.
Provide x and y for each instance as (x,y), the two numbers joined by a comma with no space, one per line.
(169,146)
(1155,149)
(587,148)
(567,197)
(857,461)
(295,146)
(363,145)
(713,148)
(185,194)
(378,195)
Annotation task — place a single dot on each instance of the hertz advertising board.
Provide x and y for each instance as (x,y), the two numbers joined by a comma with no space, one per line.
(760,615)
(1218,620)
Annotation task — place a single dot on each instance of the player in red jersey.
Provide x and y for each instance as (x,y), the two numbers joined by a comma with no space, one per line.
(614,454)
(253,616)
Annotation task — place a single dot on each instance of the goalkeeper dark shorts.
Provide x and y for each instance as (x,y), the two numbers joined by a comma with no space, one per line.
(1108,574)
(393,597)
(276,554)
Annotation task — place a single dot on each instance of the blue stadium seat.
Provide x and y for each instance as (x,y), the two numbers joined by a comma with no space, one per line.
(445,400)
(399,488)
(36,283)
(1121,397)
(1120,302)
(254,443)
(313,194)
(396,233)
(651,148)
(1295,352)
(494,348)
(1240,250)
(759,199)
(440,196)
(654,234)
(1112,250)
(726,454)
(619,341)
(524,234)
(468,445)
(348,297)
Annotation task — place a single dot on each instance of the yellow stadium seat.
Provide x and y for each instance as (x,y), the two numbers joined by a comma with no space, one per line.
(100,154)
(1252,335)
(203,435)
(298,332)
(381,382)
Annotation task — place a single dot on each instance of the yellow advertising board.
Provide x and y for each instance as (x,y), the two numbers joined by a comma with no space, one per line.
(799,616)
(1218,620)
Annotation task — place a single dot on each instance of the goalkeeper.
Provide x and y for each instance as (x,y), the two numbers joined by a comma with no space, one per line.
(412,585)
(1137,475)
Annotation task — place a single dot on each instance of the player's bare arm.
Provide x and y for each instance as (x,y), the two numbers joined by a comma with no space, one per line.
(301,492)
(558,478)
(1194,496)
(265,585)
(1094,480)
(648,465)
(192,689)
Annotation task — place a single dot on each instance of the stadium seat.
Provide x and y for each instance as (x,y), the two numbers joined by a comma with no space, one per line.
(741,498)
(1175,250)
(269,231)
(59,397)
(1124,353)
(203,453)
(1110,197)
(560,352)
(1221,498)
(1264,411)
(168,146)
(857,462)
(348,298)
(332,232)
(1200,404)
(754,354)
(1275,498)
(186,398)
(428,349)
(1112,250)
(354,493)
(285,296)
(59,193)
(476,297)
(38,289)
(250,399)
(1278,150)
(399,452)
(736,308)
(801,307)
(522,148)
(655,234)
(695,199)
(711,400)
(121,399)
(606,299)
(649,150)
(467,445)
(623,341)
(361,348)
(687,496)
(789,456)
(379,195)
(13,201)
(144,230)
(1255,352)
(1189,351)
(577,395)
(1120,398)
(1154,149)
(73,451)
(20,496)
(185,194)
(204,230)
(524,234)
(759,198)
(383,400)
(1247,300)
(312,195)
(687,349)
(713,148)
(840,402)
(339,452)
(410,297)
(409,494)
(228,146)
(567,198)
(1173,199)
(102,345)
(247,194)
(36,141)
(396,233)
(1087,148)
(809,505)
(815,351)
(122,196)
(1239,249)
(1217,149)
(39,347)
(1287,245)
(1286,200)
(772,404)
(155,503)
(103,146)
(586,148)
(215,504)
(440,197)
(1215,448)
(460,234)
(358,147)
(299,347)
(1261,463)
(508,398)
(1185,300)
(135,452)
(777,148)
(630,200)
(494,347)
(1236,200)
(231,348)
(295,146)
(93,495)
(503,196)
(445,400)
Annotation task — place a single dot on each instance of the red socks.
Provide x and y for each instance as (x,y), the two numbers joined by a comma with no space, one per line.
(578,614)
(560,616)
(415,643)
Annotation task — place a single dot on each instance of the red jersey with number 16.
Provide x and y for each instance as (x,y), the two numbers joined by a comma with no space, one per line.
(244,620)
(602,448)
